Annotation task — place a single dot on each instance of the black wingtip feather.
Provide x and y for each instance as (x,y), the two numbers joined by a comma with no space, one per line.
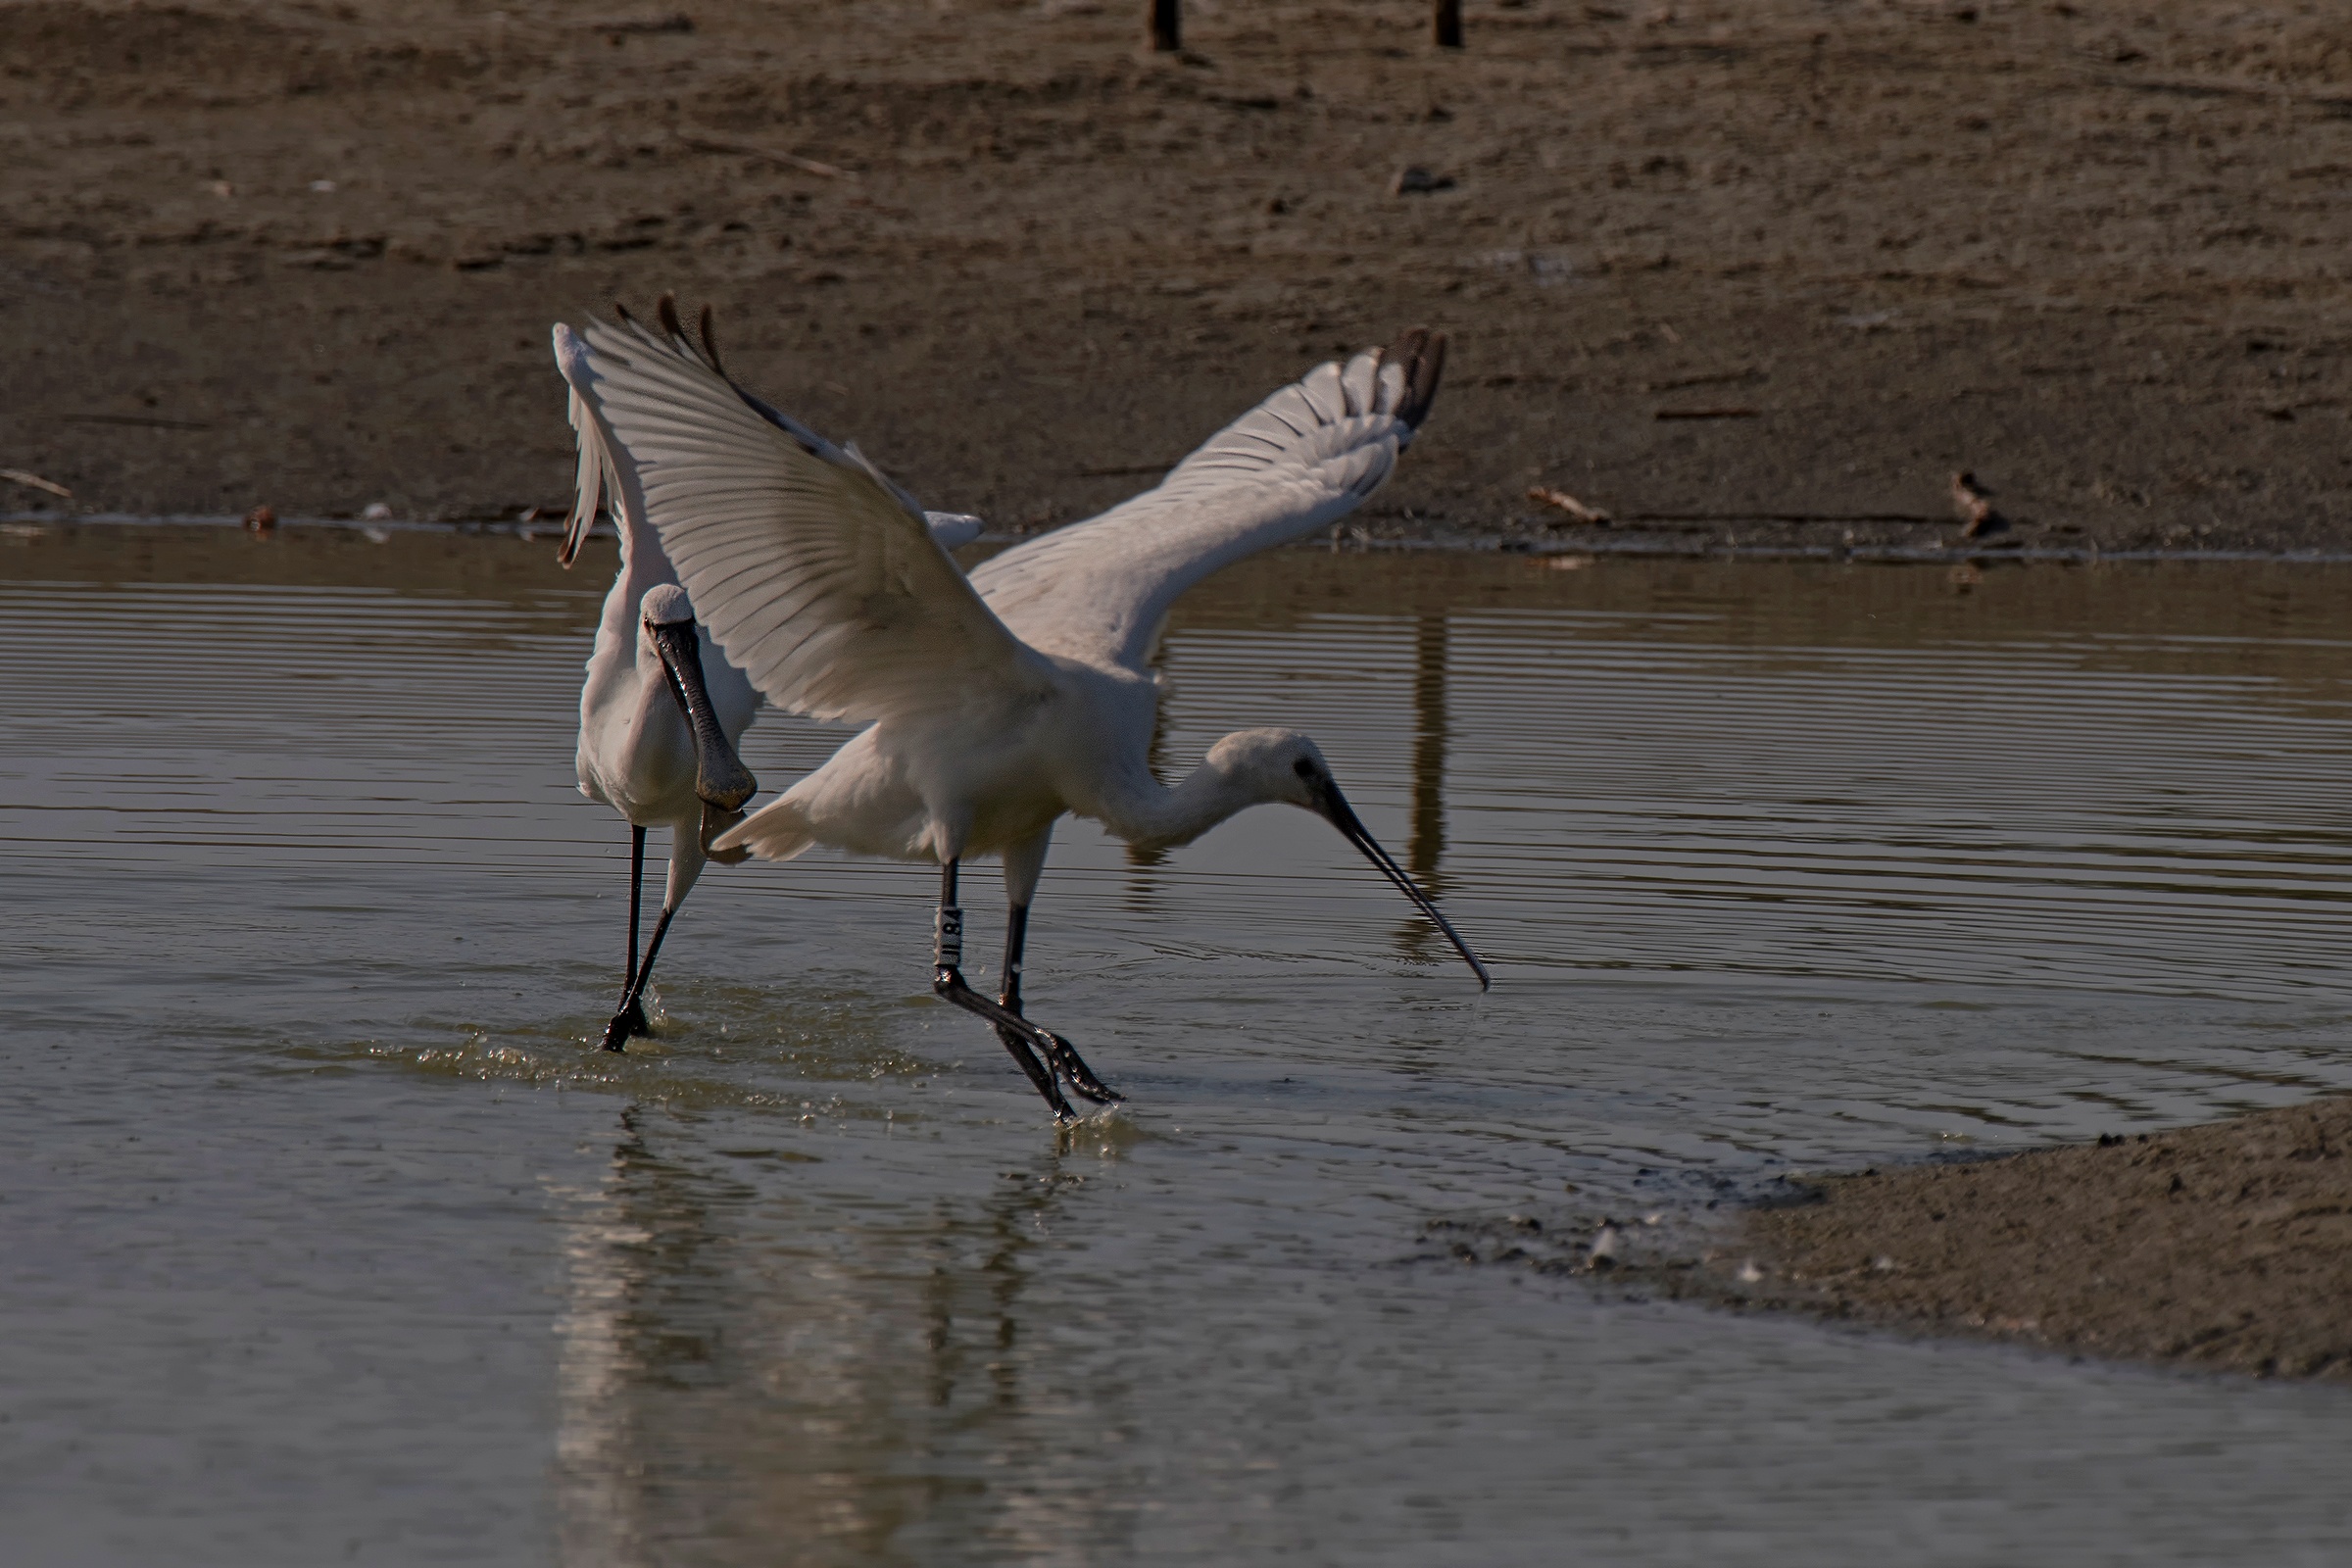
(711,345)
(667,309)
(1422,354)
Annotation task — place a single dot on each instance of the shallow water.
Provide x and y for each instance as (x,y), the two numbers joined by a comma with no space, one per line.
(328,1238)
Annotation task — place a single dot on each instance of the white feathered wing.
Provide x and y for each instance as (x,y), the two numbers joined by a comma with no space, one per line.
(819,578)
(1099,591)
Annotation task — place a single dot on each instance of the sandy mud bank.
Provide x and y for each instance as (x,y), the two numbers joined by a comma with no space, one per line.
(2226,1247)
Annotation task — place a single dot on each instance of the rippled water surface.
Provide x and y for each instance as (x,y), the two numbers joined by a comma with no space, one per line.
(326,1236)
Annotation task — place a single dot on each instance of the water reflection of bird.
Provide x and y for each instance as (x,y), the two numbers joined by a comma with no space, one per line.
(998,702)
(701,1391)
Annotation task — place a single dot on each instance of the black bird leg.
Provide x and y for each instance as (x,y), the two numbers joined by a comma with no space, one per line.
(1020,1037)
(632,1011)
(630,1018)
(1063,1056)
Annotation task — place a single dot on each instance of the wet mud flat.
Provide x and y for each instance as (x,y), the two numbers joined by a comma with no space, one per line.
(2226,1247)
(1727,274)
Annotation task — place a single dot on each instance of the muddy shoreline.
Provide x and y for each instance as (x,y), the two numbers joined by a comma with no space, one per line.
(1968,559)
(1741,277)
(2226,1247)
(2222,1247)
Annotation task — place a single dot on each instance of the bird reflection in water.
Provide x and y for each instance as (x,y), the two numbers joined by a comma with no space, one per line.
(742,1369)
(1425,847)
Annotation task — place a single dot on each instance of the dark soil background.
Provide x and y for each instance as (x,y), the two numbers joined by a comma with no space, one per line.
(1705,266)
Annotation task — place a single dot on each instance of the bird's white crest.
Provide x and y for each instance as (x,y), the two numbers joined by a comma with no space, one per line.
(1272,764)
(665,604)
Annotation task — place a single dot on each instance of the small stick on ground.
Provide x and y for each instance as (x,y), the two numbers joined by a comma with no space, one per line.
(806,166)
(33,481)
(1570,504)
(1782,516)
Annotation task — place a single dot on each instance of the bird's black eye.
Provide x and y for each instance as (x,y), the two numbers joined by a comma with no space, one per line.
(1303,769)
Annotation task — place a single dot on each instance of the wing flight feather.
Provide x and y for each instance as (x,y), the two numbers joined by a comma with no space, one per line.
(820,579)
(1305,457)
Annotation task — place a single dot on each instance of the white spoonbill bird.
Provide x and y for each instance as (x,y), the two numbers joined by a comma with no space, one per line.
(992,704)
(663,709)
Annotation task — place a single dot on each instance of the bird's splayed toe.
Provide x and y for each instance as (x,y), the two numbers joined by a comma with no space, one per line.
(1071,1069)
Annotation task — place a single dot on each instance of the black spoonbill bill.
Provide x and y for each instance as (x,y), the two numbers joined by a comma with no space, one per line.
(997,703)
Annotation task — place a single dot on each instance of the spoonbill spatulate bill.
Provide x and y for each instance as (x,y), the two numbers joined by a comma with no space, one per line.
(661,711)
(992,704)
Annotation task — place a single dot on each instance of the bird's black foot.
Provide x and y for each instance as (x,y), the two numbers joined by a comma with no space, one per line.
(1063,1064)
(1072,1069)
(1023,1039)
(1040,1077)
(628,1022)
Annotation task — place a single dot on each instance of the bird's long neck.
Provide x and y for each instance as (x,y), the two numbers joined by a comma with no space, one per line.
(619,667)
(643,565)
(641,559)
(1151,816)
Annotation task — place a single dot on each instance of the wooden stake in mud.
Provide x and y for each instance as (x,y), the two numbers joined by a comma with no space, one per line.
(1167,26)
(1447,24)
